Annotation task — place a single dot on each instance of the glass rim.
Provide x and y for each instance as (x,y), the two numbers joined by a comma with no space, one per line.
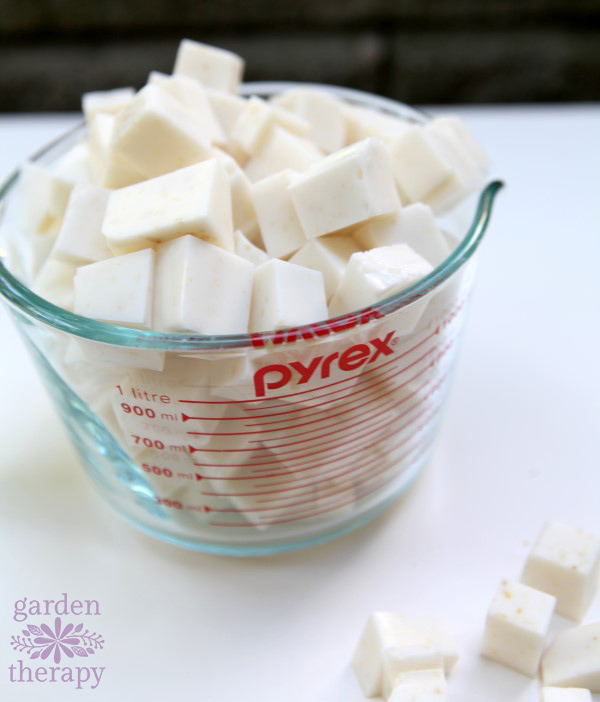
(28,303)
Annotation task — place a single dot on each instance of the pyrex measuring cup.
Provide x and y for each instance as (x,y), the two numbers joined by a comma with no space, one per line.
(265,442)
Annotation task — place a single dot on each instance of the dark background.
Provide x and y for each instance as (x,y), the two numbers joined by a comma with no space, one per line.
(419,51)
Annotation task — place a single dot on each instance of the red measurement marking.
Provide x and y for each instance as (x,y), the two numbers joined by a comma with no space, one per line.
(306,514)
(387,432)
(303,392)
(361,423)
(268,431)
(367,461)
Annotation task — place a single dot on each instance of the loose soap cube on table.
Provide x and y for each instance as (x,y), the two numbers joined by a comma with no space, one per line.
(194,200)
(389,631)
(516,626)
(573,659)
(201,288)
(419,686)
(118,290)
(565,694)
(399,662)
(286,295)
(565,562)
(345,188)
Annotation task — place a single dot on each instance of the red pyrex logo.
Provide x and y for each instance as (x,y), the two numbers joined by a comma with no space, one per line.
(278,375)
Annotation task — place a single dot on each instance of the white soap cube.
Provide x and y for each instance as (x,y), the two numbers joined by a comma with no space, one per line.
(201,288)
(191,95)
(247,250)
(244,214)
(419,167)
(345,188)
(156,134)
(565,562)
(286,295)
(227,108)
(75,165)
(194,200)
(54,282)
(400,660)
(328,254)
(454,125)
(565,694)
(516,626)
(108,101)
(256,120)
(322,112)
(363,122)
(213,67)
(573,659)
(414,225)
(419,686)
(108,167)
(281,150)
(118,290)
(388,630)
(85,356)
(279,224)
(33,217)
(80,239)
(374,275)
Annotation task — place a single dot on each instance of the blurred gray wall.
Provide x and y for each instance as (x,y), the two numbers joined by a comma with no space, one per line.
(419,51)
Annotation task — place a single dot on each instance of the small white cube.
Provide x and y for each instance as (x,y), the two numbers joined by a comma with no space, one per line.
(363,122)
(281,150)
(573,659)
(277,219)
(420,686)
(192,96)
(255,121)
(286,295)
(227,108)
(374,275)
(399,661)
(328,254)
(322,112)
(414,225)
(213,67)
(118,290)
(107,101)
(54,282)
(194,200)
(565,562)
(345,188)
(244,214)
(80,238)
(157,135)
(389,630)
(74,166)
(565,694)
(516,627)
(247,250)
(419,167)
(201,288)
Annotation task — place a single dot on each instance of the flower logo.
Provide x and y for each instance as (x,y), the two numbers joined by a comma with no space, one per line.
(69,640)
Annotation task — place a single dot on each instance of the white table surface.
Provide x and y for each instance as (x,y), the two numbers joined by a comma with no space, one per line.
(519,446)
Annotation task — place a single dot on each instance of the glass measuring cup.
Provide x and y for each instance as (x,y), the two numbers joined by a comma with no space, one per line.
(265,442)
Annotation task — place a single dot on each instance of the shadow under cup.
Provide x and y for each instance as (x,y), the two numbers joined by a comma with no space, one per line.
(260,443)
